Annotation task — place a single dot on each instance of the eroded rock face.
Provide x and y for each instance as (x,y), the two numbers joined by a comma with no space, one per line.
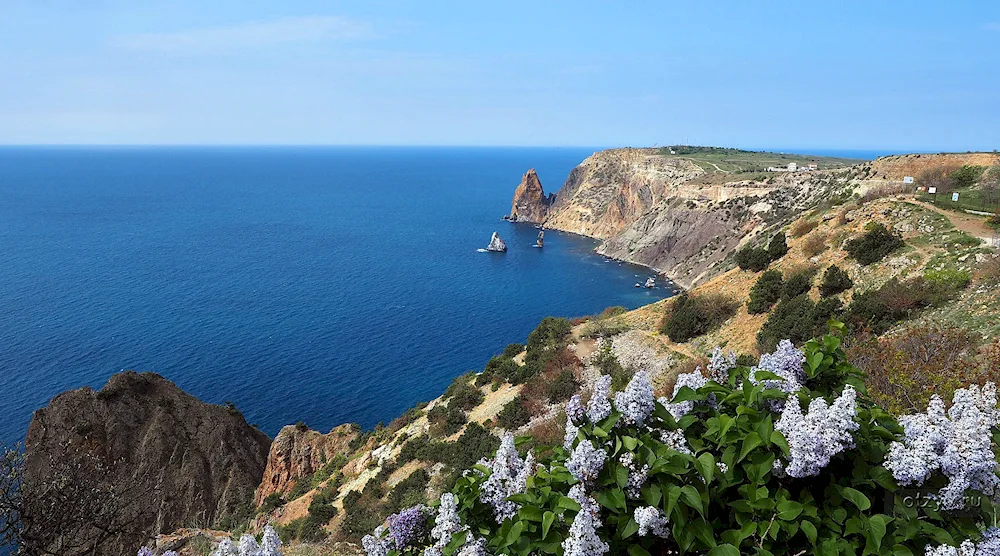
(496,244)
(530,203)
(181,460)
(298,452)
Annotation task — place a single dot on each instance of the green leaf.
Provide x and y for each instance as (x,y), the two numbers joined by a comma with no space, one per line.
(630,528)
(629,442)
(621,476)
(778,440)
(789,510)
(877,525)
(856,498)
(810,531)
(706,466)
(568,503)
(751,441)
(693,499)
(547,520)
(530,513)
(514,533)
(636,550)
(673,494)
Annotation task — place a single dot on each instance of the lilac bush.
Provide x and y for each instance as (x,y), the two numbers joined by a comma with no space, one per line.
(988,546)
(636,402)
(786,362)
(823,432)
(599,406)
(583,538)
(508,476)
(408,526)
(651,521)
(693,380)
(586,461)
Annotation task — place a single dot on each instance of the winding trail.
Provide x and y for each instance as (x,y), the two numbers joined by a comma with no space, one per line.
(968,223)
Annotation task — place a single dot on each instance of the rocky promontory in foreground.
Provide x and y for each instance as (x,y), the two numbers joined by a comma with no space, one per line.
(136,458)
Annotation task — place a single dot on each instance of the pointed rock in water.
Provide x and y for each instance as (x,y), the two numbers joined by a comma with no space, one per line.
(540,242)
(650,283)
(530,203)
(496,244)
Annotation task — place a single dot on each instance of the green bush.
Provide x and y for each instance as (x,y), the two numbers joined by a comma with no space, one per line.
(463,394)
(876,244)
(754,259)
(446,420)
(765,292)
(499,368)
(878,310)
(797,284)
(547,338)
(513,350)
(562,387)
(796,319)
(272,502)
(723,485)
(967,175)
(691,317)
(606,362)
(409,492)
(475,443)
(777,247)
(835,281)
(514,414)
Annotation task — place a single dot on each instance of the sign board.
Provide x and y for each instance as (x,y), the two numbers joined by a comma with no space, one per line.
(954,197)
(932,190)
(907,179)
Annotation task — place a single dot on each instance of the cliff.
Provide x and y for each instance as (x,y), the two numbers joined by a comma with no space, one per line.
(530,203)
(671,214)
(163,459)
(299,452)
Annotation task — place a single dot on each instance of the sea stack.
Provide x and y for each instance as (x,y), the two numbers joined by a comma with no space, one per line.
(530,203)
(540,242)
(497,245)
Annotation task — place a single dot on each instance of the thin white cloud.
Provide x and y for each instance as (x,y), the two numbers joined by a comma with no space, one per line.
(256,34)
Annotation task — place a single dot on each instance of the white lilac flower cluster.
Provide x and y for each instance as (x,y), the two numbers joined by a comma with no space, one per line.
(786,362)
(651,521)
(720,365)
(823,432)
(144,551)
(586,461)
(508,476)
(636,403)
(693,380)
(600,407)
(377,544)
(637,475)
(989,545)
(448,523)
(583,539)
(270,545)
(675,440)
(958,443)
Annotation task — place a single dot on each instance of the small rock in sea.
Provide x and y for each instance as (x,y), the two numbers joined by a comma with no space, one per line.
(497,245)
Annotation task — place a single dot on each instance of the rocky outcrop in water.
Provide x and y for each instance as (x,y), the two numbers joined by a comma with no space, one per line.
(530,203)
(540,242)
(175,461)
(496,245)
(299,452)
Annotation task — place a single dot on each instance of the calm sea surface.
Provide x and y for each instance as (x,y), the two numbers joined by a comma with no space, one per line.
(324,285)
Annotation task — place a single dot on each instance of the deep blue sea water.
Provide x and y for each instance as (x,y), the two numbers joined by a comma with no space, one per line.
(326,285)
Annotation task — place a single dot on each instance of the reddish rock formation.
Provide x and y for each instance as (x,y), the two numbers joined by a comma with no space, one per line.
(298,452)
(530,203)
(169,459)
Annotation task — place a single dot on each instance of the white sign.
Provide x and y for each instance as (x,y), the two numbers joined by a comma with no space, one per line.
(907,179)
(954,197)
(932,190)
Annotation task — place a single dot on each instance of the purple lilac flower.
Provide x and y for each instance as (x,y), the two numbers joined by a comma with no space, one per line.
(693,380)
(270,542)
(651,521)
(720,365)
(570,437)
(818,435)
(508,476)
(786,362)
(599,407)
(446,523)
(575,412)
(675,441)
(170,553)
(225,548)
(476,547)
(958,444)
(637,475)
(636,402)
(377,544)
(144,551)
(407,526)
(583,539)
(586,461)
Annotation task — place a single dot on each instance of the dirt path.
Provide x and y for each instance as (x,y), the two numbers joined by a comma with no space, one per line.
(968,223)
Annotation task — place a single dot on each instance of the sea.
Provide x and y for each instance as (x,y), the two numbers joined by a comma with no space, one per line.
(323,285)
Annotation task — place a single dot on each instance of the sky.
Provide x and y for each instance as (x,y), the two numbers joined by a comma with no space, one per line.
(845,74)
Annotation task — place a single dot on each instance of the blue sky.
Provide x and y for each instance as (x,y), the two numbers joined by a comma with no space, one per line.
(871,74)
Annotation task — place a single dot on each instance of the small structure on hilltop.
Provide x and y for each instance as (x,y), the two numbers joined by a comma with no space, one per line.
(497,245)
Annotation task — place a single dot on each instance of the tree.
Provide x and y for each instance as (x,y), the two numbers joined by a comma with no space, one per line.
(874,245)
(834,281)
(777,247)
(754,259)
(765,292)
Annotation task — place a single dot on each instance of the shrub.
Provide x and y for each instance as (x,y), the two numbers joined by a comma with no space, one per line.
(835,281)
(797,284)
(802,226)
(446,420)
(548,337)
(799,461)
(499,368)
(814,244)
(462,394)
(993,222)
(408,492)
(948,279)
(874,245)
(777,247)
(475,443)
(690,317)
(606,362)
(939,177)
(562,387)
(513,350)
(272,502)
(967,175)
(514,414)
(765,292)
(754,259)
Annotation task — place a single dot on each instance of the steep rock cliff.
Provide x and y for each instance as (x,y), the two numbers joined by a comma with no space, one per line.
(180,461)
(530,203)
(298,452)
